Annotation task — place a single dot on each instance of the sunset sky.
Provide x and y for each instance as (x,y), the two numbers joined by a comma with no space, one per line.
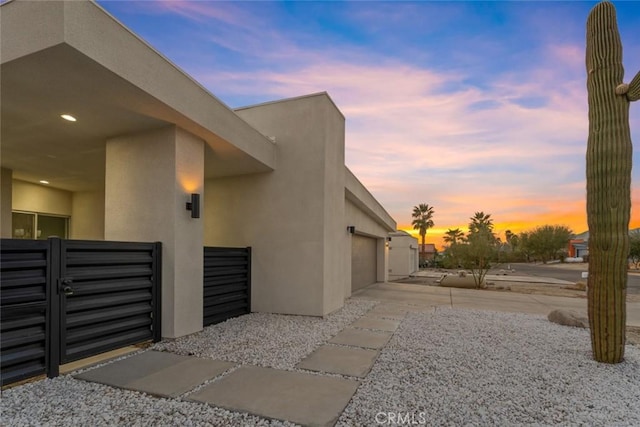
(466,106)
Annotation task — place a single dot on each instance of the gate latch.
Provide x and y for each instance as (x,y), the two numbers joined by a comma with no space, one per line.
(64,286)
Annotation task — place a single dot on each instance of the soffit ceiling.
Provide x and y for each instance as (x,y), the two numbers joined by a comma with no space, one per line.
(36,143)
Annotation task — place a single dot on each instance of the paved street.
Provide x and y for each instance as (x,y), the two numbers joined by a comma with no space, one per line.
(569,272)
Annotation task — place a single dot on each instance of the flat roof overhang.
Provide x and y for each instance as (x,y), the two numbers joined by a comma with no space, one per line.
(72,57)
(358,194)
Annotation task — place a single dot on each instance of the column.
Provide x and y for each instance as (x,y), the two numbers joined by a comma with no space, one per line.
(149,179)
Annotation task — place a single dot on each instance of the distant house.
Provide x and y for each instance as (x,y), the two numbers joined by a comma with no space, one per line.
(428,251)
(403,254)
(579,245)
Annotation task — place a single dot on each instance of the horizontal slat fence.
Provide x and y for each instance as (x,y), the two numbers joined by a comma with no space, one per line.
(227,283)
(113,299)
(62,300)
(24,279)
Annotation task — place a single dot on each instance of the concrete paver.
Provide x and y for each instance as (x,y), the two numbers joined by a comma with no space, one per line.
(306,399)
(393,311)
(352,361)
(373,322)
(362,338)
(159,373)
(405,294)
(97,359)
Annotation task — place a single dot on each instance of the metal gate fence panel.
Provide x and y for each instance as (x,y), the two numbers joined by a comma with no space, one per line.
(107,296)
(24,279)
(62,300)
(227,283)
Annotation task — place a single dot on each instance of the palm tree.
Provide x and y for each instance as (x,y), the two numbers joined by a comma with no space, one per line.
(452,236)
(481,222)
(508,235)
(422,221)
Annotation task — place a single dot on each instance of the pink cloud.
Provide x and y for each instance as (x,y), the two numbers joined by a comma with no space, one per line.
(409,141)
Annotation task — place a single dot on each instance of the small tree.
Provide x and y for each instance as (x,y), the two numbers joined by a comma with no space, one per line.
(634,247)
(511,247)
(453,237)
(547,242)
(523,247)
(479,247)
(478,253)
(422,221)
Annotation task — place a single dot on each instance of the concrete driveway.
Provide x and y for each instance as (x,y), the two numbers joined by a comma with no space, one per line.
(430,296)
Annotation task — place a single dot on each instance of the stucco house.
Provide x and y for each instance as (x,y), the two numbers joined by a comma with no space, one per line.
(579,245)
(428,251)
(403,254)
(146,136)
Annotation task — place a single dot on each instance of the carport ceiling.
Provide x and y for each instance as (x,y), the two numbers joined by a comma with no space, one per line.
(36,143)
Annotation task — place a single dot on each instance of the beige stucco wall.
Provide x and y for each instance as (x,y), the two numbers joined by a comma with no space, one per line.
(87,215)
(363,222)
(292,217)
(149,177)
(6,195)
(85,209)
(403,255)
(40,198)
(337,248)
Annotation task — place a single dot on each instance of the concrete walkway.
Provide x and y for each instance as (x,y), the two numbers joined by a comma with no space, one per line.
(305,396)
(313,394)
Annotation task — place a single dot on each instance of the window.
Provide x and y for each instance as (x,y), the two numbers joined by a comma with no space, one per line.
(32,225)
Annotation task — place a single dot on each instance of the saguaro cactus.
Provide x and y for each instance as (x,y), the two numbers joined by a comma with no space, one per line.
(609,154)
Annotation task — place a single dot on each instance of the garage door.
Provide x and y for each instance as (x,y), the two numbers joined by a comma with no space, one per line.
(363,261)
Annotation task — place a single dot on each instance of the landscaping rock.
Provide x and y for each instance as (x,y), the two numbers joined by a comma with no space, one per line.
(568,318)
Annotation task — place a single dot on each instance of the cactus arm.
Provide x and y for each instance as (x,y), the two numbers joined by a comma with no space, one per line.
(634,89)
(631,90)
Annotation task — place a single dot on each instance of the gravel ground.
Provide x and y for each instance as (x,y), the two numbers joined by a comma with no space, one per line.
(271,340)
(448,367)
(463,367)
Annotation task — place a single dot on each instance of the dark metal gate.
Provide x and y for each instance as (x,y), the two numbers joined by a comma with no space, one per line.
(64,300)
(227,283)
(24,314)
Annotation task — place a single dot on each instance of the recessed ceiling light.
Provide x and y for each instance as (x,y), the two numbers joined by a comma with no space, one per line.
(42,181)
(68,117)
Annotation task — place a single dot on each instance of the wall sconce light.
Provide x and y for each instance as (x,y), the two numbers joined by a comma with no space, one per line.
(194,205)
(351,229)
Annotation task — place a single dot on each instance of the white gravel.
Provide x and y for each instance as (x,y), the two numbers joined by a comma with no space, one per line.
(462,367)
(448,367)
(64,401)
(271,340)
